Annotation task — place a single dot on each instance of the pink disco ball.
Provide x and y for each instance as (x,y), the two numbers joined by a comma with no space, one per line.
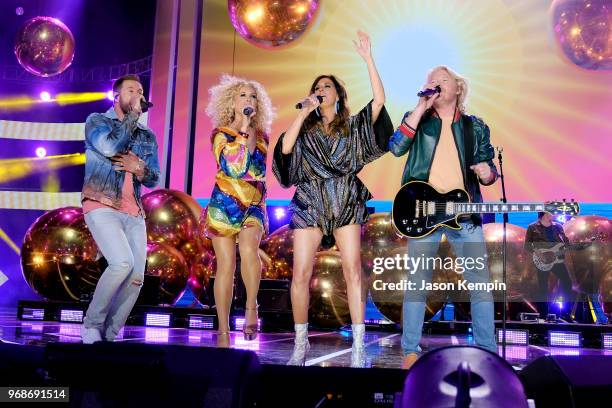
(272,23)
(44,46)
(583,32)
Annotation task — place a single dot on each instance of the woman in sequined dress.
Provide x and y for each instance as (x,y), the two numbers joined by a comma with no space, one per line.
(321,154)
(241,113)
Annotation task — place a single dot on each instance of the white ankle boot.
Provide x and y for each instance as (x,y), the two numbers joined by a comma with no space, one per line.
(301,345)
(358,350)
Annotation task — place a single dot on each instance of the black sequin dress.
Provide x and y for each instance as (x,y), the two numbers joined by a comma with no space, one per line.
(324,168)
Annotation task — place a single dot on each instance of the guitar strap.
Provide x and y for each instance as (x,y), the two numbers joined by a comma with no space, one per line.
(468,154)
(468,143)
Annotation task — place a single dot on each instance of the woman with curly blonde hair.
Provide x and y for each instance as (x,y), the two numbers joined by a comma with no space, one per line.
(241,113)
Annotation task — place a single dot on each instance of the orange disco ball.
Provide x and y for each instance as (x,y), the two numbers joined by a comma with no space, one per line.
(272,24)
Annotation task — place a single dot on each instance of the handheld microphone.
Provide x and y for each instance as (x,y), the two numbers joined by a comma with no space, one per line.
(144,105)
(300,105)
(429,91)
(247,111)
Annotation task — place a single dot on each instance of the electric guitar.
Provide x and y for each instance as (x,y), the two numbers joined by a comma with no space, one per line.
(419,209)
(545,259)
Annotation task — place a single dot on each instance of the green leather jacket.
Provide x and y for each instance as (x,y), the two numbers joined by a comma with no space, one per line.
(422,146)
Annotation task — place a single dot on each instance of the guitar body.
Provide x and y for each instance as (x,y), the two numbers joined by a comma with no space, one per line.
(549,257)
(556,254)
(411,212)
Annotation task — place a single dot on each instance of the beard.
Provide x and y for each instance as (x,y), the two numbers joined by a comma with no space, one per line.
(124,106)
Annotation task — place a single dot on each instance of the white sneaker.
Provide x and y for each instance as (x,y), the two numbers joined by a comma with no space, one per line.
(90,335)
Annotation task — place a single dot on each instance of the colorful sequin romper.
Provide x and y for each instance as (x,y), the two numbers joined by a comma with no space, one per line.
(238,199)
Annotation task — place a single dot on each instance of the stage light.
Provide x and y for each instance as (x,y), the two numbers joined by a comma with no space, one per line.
(41,152)
(606,340)
(28,313)
(564,338)
(376,321)
(157,319)
(562,218)
(14,169)
(513,336)
(201,322)
(75,316)
(45,96)
(514,352)
(564,352)
(82,97)
(156,335)
(109,95)
(280,213)
(19,11)
(447,373)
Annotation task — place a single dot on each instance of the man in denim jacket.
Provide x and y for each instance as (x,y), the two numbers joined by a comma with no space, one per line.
(121,156)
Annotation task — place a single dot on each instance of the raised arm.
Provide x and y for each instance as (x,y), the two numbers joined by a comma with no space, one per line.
(364,48)
(309,104)
(105,137)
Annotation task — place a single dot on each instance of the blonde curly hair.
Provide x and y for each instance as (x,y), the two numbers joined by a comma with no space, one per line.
(220,108)
(462,85)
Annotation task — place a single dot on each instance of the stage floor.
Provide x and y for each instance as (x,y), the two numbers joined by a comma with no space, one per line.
(328,349)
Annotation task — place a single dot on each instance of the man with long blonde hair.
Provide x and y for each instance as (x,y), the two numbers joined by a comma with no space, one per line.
(449,150)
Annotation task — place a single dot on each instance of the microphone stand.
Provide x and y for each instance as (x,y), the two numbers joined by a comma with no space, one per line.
(504,248)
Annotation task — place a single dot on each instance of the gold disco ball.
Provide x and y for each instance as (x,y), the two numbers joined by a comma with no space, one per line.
(170,218)
(605,293)
(201,269)
(594,261)
(379,232)
(170,266)
(271,24)
(58,256)
(278,249)
(521,275)
(328,299)
(278,253)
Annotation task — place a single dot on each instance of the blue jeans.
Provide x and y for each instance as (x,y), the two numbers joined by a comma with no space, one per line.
(122,239)
(466,242)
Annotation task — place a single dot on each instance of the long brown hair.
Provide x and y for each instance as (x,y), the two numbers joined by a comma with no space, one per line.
(340,122)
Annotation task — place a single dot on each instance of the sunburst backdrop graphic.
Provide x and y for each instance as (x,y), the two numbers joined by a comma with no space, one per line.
(552,118)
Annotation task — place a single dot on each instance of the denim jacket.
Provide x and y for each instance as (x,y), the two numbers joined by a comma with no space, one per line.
(105,136)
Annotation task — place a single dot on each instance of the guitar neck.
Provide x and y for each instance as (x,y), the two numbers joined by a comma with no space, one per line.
(470,208)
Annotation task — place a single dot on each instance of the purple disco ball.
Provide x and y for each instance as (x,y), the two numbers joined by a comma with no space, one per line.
(271,24)
(44,46)
(583,32)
